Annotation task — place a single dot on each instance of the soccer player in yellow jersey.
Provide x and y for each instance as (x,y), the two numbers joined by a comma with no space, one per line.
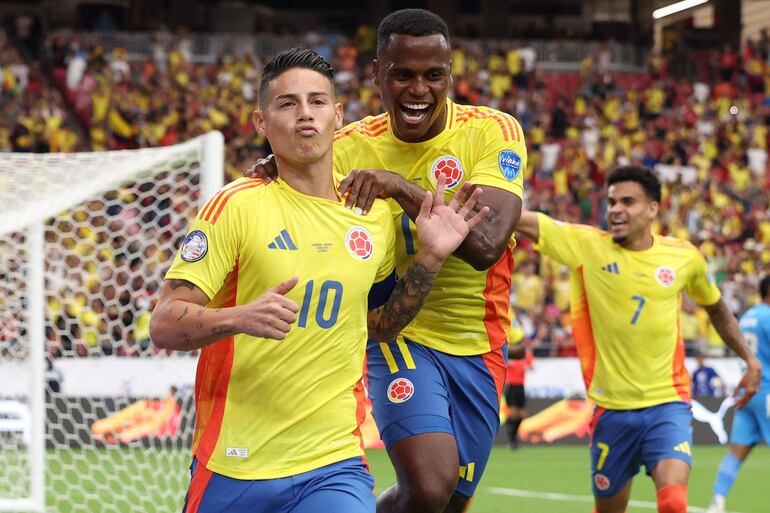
(627,288)
(453,355)
(272,284)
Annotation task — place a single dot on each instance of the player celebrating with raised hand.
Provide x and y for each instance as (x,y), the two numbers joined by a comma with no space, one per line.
(751,425)
(454,352)
(626,301)
(256,447)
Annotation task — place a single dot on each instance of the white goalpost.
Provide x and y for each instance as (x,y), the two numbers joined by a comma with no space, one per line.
(85,240)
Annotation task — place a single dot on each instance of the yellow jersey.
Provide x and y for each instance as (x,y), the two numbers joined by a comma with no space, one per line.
(626,308)
(251,421)
(466,311)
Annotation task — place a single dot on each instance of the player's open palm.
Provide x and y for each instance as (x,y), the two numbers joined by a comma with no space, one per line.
(441,228)
(271,314)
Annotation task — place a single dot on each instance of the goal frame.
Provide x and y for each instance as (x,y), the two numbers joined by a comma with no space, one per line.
(212,147)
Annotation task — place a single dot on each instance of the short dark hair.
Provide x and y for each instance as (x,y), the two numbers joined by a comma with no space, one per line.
(641,175)
(764,287)
(291,59)
(410,22)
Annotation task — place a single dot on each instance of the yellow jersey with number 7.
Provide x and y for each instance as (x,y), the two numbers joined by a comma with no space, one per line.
(625,312)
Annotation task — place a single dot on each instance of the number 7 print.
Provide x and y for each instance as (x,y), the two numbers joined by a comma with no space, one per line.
(638,308)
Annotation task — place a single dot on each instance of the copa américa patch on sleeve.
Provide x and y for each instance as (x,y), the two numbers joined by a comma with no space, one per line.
(195,246)
(510,164)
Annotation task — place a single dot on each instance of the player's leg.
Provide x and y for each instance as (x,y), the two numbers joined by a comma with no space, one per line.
(426,474)
(475,386)
(666,452)
(615,446)
(210,492)
(751,425)
(515,398)
(615,503)
(410,405)
(345,487)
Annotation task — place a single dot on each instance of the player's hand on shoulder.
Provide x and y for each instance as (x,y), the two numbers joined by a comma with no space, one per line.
(263,169)
(441,228)
(363,186)
(271,314)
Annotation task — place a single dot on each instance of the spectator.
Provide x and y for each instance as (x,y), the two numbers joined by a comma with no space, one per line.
(705,380)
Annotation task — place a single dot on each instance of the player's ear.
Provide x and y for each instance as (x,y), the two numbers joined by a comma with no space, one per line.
(376,72)
(338,115)
(654,208)
(259,121)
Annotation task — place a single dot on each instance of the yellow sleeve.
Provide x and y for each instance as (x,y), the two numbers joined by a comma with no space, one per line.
(210,250)
(559,241)
(503,157)
(700,286)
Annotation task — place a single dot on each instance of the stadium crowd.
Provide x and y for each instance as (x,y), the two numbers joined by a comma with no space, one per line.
(706,138)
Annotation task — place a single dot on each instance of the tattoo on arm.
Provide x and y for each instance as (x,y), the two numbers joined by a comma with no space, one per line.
(405,301)
(184,313)
(727,326)
(175,284)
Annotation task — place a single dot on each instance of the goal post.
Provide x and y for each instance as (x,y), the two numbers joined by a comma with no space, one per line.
(85,240)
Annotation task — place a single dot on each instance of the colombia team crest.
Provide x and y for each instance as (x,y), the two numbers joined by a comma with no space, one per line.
(359,243)
(602,482)
(665,275)
(195,246)
(400,390)
(449,166)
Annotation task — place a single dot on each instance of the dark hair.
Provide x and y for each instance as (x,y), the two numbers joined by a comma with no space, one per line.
(764,287)
(641,175)
(410,22)
(291,59)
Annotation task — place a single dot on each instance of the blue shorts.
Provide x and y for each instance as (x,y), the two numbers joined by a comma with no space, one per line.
(342,486)
(623,440)
(751,424)
(416,390)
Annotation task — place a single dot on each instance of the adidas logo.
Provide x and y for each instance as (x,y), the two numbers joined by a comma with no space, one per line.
(684,447)
(283,241)
(611,268)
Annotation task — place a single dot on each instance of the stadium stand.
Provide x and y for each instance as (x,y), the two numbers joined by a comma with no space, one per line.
(705,136)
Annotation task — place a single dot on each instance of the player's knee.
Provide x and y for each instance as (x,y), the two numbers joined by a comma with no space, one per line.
(672,499)
(432,493)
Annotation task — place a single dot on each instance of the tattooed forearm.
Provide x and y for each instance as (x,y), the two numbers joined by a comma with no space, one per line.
(410,198)
(175,284)
(184,313)
(405,301)
(727,326)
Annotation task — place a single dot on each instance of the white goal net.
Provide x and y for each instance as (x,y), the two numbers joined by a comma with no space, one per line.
(93,417)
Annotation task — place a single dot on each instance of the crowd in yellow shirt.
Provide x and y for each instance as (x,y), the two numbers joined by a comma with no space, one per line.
(707,140)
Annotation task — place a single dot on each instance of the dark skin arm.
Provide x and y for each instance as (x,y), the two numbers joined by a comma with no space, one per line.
(727,327)
(484,245)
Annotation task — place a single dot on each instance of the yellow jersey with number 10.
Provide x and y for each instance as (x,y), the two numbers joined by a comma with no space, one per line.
(466,312)
(625,312)
(267,408)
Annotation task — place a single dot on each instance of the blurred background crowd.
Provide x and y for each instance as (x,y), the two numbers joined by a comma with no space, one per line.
(705,132)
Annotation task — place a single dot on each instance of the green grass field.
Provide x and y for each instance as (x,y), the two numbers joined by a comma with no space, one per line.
(531,480)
